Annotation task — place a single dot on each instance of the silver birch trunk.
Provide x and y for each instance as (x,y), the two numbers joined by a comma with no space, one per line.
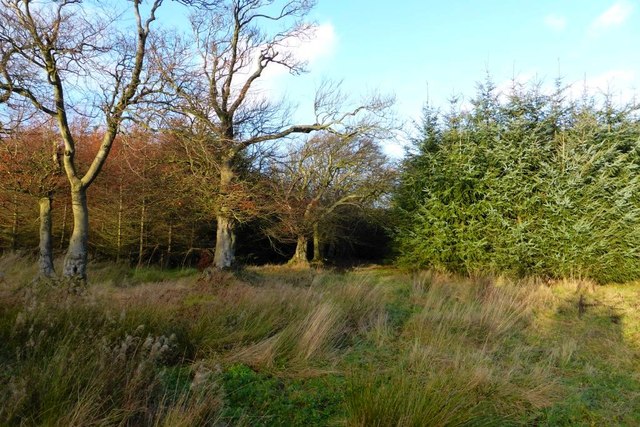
(75,262)
(45,260)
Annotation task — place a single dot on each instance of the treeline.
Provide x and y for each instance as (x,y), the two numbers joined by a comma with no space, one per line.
(126,139)
(527,183)
(178,133)
(149,207)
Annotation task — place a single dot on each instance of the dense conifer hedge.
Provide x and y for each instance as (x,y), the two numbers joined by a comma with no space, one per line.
(524,183)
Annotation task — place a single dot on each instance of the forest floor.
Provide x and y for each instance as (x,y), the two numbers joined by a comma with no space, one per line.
(278,346)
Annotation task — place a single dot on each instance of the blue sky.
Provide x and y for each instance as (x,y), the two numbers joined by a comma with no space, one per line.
(402,46)
(416,48)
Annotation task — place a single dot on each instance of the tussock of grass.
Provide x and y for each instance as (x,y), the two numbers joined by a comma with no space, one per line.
(327,314)
(400,400)
(17,269)
(73,364)
(458,364)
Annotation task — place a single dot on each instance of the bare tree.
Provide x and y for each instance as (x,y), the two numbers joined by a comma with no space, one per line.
(214,78)
(65,58)
(318,179)
(30,166)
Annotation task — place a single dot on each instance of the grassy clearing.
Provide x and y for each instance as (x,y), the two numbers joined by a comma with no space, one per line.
(275,346)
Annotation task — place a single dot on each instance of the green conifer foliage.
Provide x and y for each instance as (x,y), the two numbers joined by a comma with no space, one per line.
(525,183)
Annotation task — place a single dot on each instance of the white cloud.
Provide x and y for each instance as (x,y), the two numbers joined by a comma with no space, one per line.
(505,87)
(320,45)
(615,16)
(394,149)
(555,22)
(317,45)
(621,84)
(276,83)
(612,79)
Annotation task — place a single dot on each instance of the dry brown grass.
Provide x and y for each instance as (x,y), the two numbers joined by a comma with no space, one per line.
(326,312)
(410,347)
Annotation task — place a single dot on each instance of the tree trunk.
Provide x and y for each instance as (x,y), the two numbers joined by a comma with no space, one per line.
(225,233)
(317,255)
(119,237)
(225,243)
(169,244)
(64,227)
(75,262)
(143,214)
(300,255)
(14,225)
(45,261)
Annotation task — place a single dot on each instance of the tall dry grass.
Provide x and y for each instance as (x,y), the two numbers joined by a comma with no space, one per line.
(459,361)
(400,349)
(323,318)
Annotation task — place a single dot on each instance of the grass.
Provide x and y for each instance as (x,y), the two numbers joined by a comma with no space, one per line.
(276,346)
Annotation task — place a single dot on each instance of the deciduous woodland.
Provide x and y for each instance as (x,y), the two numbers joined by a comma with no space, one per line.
(183,145)
(179,247)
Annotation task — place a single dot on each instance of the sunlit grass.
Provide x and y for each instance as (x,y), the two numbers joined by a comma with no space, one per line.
(275,346)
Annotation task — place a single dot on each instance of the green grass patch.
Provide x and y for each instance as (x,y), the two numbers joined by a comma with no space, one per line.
(261,399)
